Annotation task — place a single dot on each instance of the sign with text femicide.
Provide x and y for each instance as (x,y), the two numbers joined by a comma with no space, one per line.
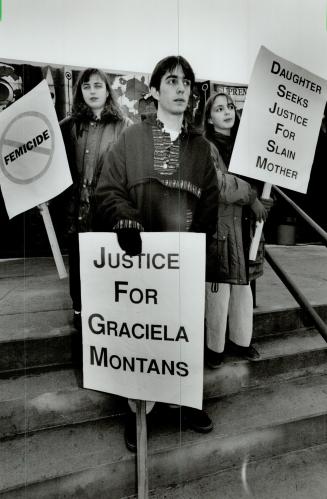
(33,161)
(143,317)
(280,123)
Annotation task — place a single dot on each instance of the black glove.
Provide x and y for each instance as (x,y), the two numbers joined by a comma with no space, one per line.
(130,241)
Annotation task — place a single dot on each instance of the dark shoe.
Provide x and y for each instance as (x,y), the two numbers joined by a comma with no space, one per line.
(130,433)
(213,359)
(249,353)
(77,321)
(197,420)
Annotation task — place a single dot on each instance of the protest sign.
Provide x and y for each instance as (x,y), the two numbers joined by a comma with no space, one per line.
(143,317)
(280,123)
(33,161)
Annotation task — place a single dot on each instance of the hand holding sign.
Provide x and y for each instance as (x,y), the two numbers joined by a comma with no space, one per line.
(259,226)
(130,241)
(259,210)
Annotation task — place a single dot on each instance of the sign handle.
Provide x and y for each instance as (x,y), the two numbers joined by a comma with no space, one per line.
(142,450)
(43,207)
(259,225)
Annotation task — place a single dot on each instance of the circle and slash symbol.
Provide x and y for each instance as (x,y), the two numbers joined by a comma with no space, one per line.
(27,147)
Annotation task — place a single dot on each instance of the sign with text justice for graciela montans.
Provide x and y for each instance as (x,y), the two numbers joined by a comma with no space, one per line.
(143,317)
(33,161)
(280,123)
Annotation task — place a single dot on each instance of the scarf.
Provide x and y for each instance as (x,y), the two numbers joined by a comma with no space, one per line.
(224,144)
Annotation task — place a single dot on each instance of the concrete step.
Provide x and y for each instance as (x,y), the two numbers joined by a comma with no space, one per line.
(26,267)
(35,304)
(46,337)
(53,398)
(27,293)
(90,460)
(306,265)
(283,356)
(295,475)
(276,319)
(36,339)
(64,441)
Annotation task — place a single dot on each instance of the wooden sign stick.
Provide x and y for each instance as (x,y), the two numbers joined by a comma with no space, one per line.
(142,450)
(43,207)
(259,225)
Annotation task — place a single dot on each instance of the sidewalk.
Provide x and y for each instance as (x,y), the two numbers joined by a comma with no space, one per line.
(306,265)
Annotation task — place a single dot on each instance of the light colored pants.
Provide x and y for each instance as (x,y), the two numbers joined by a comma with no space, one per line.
(236,302)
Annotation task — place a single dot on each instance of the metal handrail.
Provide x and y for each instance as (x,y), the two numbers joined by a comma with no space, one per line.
(297,295)
(287,281)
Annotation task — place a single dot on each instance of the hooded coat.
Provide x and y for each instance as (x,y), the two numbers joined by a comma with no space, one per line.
(236,223)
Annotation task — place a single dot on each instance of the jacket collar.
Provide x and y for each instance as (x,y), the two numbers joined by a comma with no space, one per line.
(152,119)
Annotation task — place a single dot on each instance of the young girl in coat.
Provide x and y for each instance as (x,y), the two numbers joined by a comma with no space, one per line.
(229,293)
(95,125)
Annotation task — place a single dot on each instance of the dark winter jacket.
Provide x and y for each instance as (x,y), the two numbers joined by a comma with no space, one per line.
(131,192)
(86,142)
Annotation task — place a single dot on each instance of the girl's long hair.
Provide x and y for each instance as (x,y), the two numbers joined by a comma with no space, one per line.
(81,111)
(208,128)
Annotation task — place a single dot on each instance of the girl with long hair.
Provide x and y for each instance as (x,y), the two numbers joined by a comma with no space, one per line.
(230,294)
(95,125)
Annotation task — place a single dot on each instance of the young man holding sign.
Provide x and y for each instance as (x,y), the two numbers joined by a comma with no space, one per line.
(160,177)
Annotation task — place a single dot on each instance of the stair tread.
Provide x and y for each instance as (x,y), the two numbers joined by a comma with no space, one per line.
(74,448)
(300,340)
(50,322)
(23,267)
(305,265)
(295,475)
(277,404)
(31,285)
(22,295)
(37,325)
(31,385)
(56,397)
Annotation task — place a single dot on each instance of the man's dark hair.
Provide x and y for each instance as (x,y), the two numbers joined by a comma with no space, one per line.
(168,64)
